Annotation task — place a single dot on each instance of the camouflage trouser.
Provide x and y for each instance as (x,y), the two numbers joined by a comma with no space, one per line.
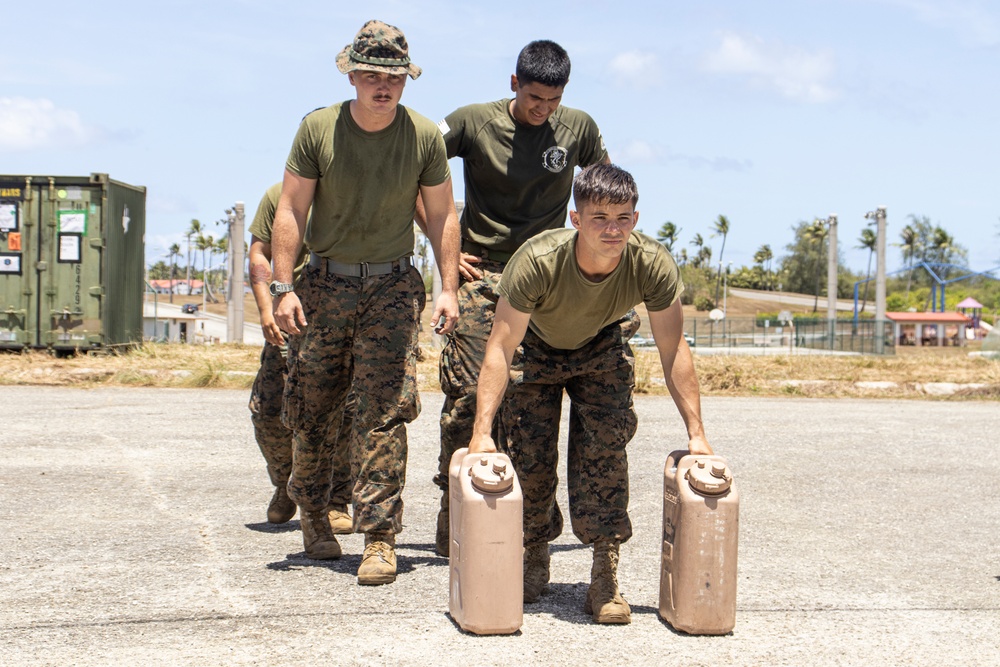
(362,336)
(275,440)
(461,359)
(598,378)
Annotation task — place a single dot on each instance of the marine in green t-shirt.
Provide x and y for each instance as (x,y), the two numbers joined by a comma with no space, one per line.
(567,308)
(519,155)
(566,299)
(273,438)
(360,166)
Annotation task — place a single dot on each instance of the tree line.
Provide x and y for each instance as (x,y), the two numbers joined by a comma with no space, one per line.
(197,241)
(804,266)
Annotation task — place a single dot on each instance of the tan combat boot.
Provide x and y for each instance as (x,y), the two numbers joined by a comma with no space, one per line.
(317,537)
(281,509)
(340,520)
(604,601)
(536,570)
(378,564)
(442,539)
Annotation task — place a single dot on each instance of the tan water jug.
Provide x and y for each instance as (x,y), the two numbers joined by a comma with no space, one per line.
(700,533)
(486,571)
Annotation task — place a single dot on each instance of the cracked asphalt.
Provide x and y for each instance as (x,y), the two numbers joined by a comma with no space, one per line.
(132,532)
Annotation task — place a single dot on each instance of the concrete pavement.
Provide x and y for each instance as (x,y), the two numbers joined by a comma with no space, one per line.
(133,532)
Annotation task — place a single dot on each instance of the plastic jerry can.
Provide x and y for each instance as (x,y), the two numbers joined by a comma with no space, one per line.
(486,570)
(700,535)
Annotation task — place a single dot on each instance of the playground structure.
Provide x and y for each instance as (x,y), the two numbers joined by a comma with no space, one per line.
(937,286)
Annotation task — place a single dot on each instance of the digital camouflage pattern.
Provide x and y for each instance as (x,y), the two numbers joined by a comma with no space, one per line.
(599,378)
(275,440)
(362,334)
(378,47)
(460,361)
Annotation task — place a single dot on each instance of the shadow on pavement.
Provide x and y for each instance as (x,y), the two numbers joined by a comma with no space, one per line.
(275,528)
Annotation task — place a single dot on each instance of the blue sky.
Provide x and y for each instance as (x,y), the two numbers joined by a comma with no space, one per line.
(767,112)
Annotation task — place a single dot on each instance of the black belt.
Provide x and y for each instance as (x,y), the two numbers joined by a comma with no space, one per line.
(473,248)
(361,270)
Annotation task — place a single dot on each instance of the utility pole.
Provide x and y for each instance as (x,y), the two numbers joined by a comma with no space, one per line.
(235,216)
(879,216)
(831,279)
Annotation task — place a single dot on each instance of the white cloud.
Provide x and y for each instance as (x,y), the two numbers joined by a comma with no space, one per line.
(637,151)
(790,71)
(969,18)
(30,124)
(636,68)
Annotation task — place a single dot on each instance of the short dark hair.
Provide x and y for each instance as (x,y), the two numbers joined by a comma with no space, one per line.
(544,62)
(604,183)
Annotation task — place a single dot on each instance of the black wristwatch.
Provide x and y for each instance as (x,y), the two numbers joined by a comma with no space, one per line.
(277,289)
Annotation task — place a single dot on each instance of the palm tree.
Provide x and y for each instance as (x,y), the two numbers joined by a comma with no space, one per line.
(942,243)
(668,235)
(203,243)
(175,251)
(765,251)
(909,245)
(699,243)
(194,230)
(720,228)
(868,240)
(704,258)
(222,248)
(762,258)
(816,235)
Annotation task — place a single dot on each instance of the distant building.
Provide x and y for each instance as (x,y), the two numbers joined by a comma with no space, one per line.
(171,325)
(930,329)
(177,286)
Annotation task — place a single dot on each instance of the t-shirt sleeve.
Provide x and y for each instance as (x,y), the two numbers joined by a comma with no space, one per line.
(302,159)
(663,284)
(520,281)
(263,220)
(592,149)
(453,131)
(436,169)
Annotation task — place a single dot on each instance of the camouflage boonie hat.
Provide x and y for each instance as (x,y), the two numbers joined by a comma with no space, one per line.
(378,47)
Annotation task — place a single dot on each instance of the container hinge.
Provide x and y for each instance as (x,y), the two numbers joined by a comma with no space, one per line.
(97,291)
(96,243)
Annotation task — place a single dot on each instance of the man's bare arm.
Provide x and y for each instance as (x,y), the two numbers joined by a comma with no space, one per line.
(509,327)
(442,230)
(286,243)
(678,371)
(260,278)
(466,262)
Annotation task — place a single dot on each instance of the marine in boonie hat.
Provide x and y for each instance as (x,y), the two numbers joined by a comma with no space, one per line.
(378,47)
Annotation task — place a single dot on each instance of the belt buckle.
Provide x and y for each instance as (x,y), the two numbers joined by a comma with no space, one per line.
(364,269)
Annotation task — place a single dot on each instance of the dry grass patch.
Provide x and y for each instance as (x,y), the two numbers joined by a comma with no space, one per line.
(234,367)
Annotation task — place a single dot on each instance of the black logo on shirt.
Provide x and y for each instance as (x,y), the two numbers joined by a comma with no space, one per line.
(554,159)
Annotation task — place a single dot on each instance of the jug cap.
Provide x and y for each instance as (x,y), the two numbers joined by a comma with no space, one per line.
(495,478)
(708,480)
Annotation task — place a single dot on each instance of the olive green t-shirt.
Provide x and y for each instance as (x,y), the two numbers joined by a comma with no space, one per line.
(568,310)
(366,182)
(263,222)
(518,178)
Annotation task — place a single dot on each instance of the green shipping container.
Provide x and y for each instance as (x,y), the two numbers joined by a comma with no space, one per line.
(72,256)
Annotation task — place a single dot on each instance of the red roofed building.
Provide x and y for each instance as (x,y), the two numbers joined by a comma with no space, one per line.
(934,329)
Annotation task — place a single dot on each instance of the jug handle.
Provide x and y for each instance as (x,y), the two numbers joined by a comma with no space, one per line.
(674,458)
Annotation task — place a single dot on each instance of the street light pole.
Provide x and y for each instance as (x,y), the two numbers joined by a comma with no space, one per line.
(878,215)
(235,217)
